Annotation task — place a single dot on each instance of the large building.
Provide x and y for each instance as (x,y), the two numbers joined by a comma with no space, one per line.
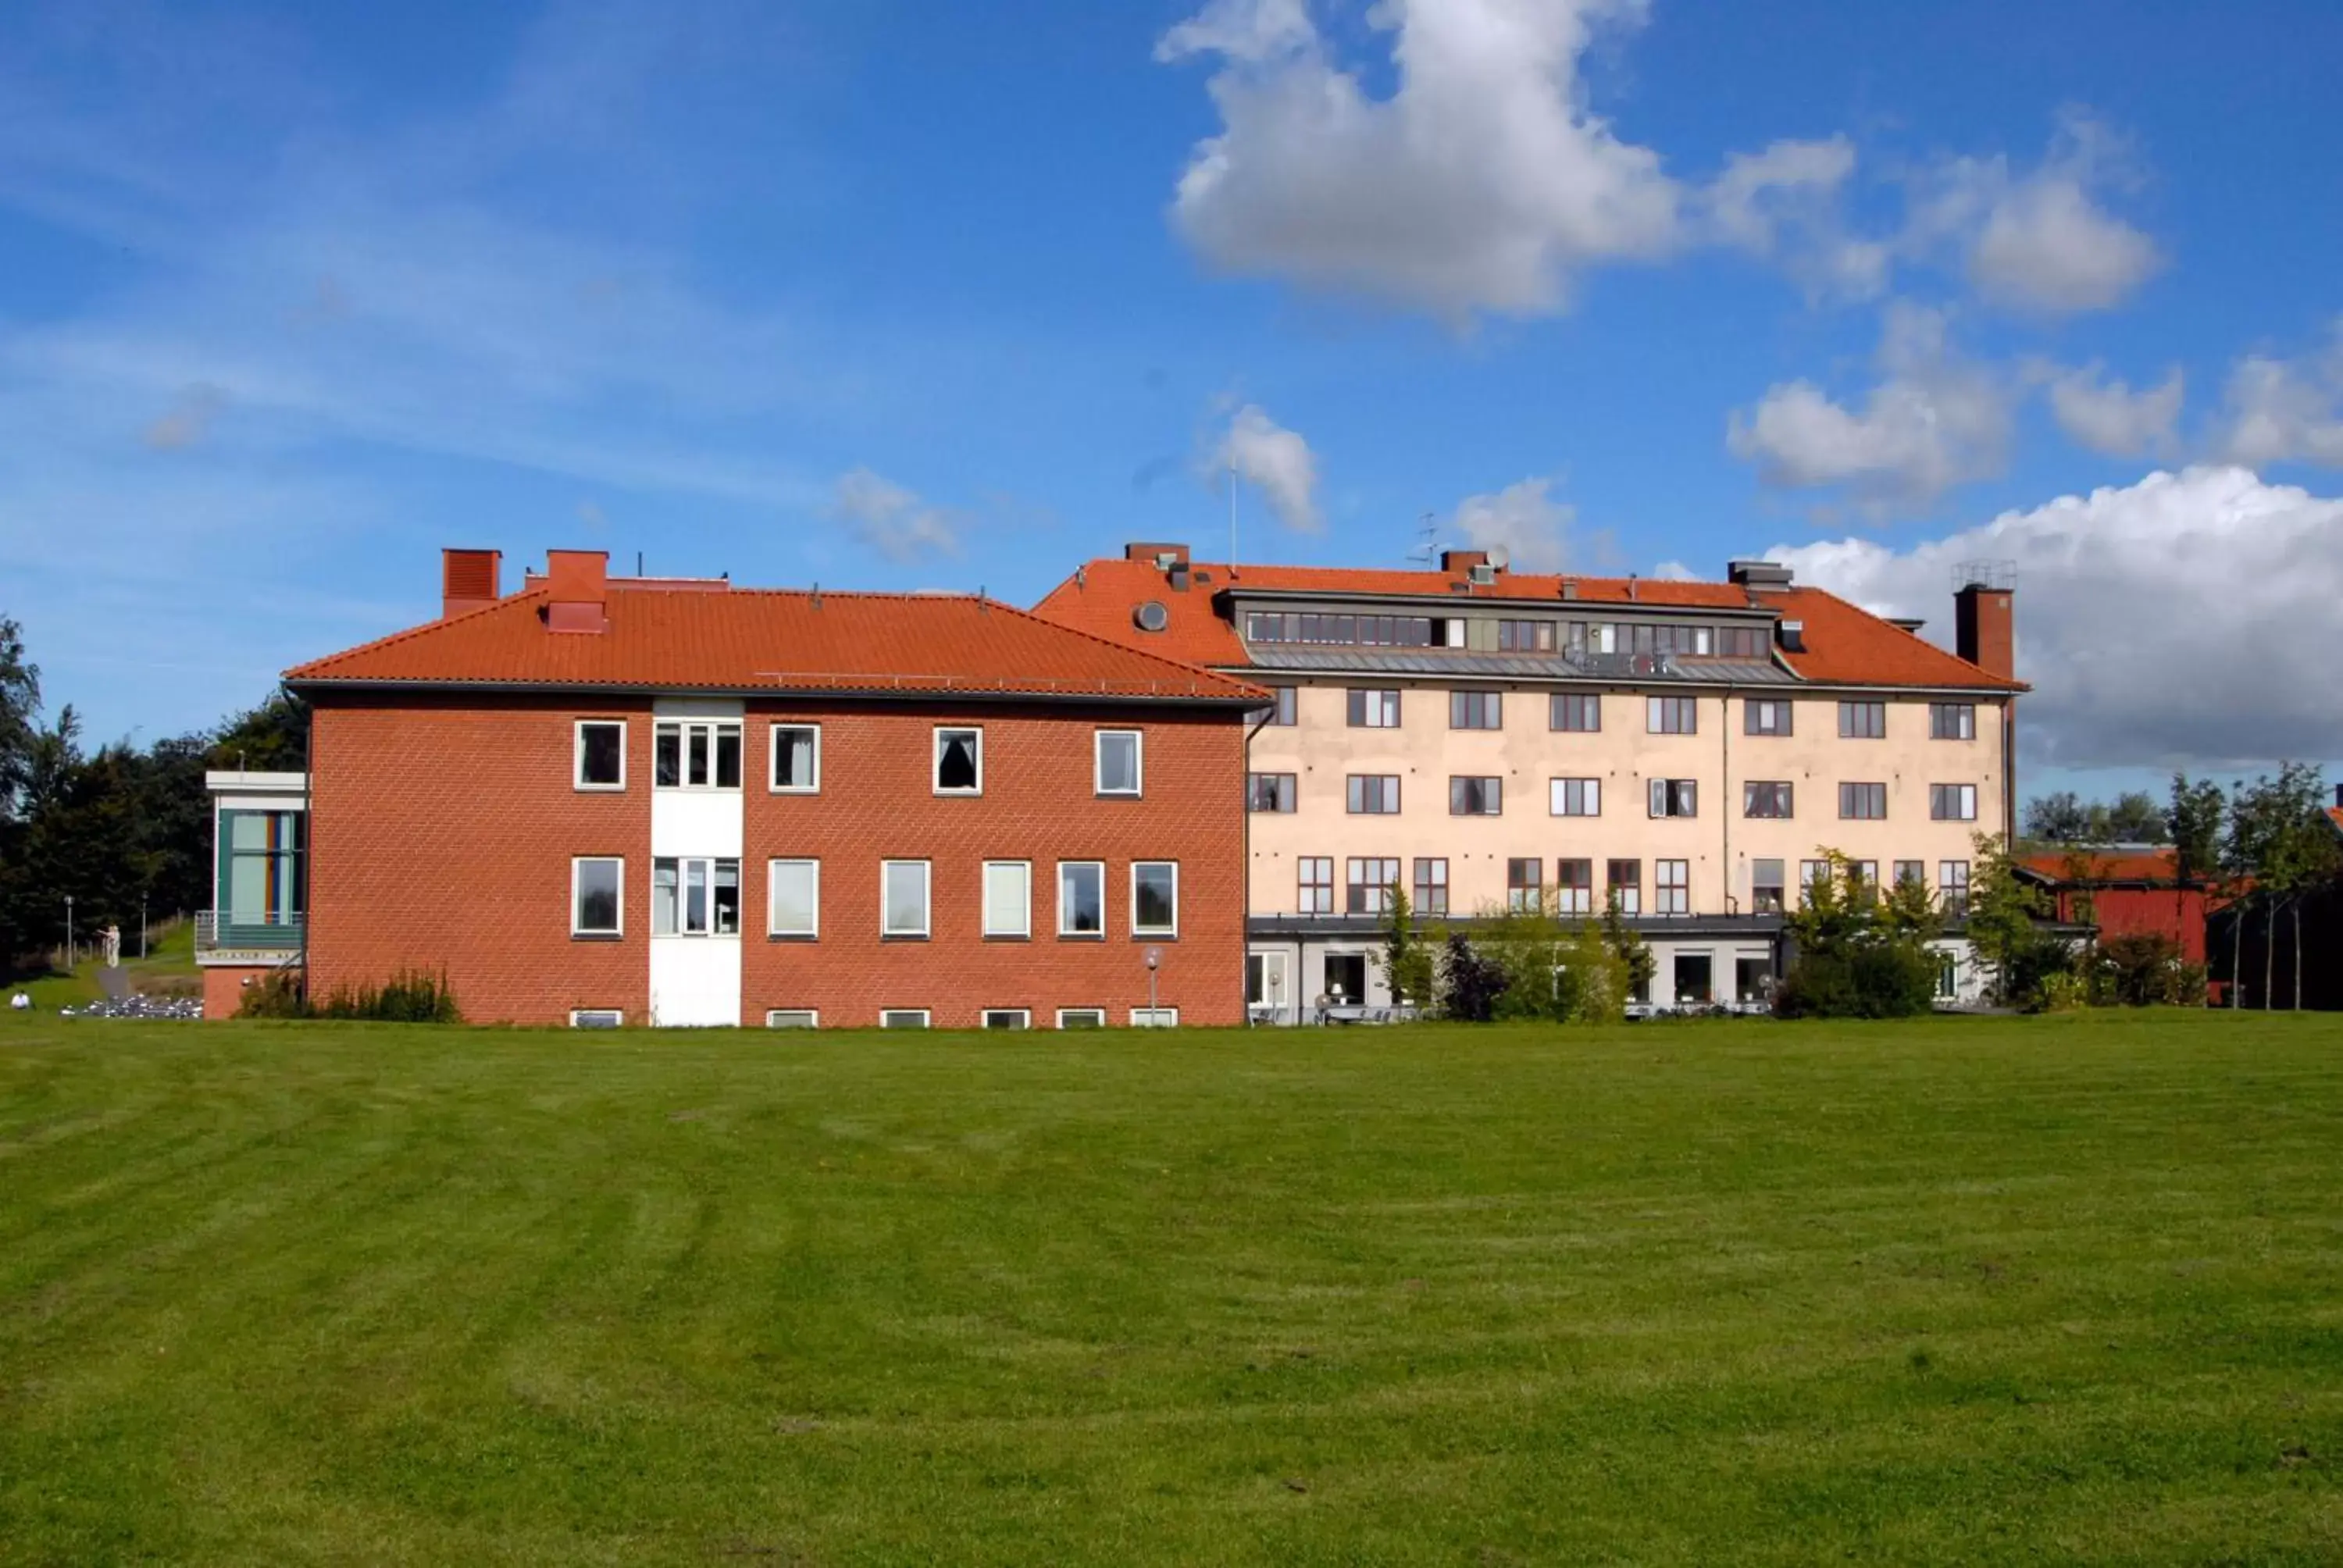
(603,798)
(1483,738)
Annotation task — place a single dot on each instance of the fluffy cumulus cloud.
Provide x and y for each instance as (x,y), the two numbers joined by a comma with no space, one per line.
(1276,461)
(2109,417)
(1481,183)
(1523,519)
(1786,204)
(2179,622)
(2285,410)
(891,519)
(1934,420)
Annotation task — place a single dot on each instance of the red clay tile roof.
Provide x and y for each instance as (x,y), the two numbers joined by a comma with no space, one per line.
(1844,645)
(748,640)
(2335,814)
(2106,866)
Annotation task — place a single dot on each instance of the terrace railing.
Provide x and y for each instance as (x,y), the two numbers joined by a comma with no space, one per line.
(247,930)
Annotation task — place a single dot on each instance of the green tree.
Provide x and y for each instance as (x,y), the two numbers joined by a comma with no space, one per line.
(1406,959)
(2004,910)
(1857,954)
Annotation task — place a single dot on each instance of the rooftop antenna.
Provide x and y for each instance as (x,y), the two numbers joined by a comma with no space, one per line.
(1428,551)
(817,593)
(639,563)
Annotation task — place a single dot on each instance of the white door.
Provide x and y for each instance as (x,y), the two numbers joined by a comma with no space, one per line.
(1267,994)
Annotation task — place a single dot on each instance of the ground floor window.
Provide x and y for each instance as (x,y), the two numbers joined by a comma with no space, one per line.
(1753,978)
(903,1017)
(1081,1017)
(1155,1017)
(1008,1018)
(1265,980)
(792,1018)
(595,886)
(596,1018)
(1948,976)
(1696,978)
(1346,978)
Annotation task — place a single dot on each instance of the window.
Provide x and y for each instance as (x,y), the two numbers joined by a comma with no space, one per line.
(903,899)
(1118,762)
(1573,882)
(1524,636)
(903,1017)
(1268,791)
(1373,794)
(1431,893)
(1951,802)
(1771,800)
(1006,1018)
(1155,1017)
(1863,802)
(1672,715)
(1337,630)
(1952,721)
(1753,978)
(1862,879)
(1576,713)
(1766,890)
(1475,797)
(1476,710)
(1675,797)
(596,889)
(1743,642)
(596,1018)
(1952,886)
(1279,713)
(1672,887)
(1948,976)
(1522,891)
(1813,874)
(265,870)
(797,759)
(1081,1017)
(1769,716)
(601,754)
(793,898)
(1574,797)
(1082,898)
(694,896)
(1694,977)
(1911,872)
(792,1018)
(1375,709)
(959,761)
(1346,978)
(1367,886)
(1863,720)
(1007,899)
(1317,884)
(1265,980)
(696,754)
(1623,885)
(1156,897)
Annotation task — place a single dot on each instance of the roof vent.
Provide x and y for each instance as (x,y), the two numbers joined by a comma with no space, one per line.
(1791,635)
(1151,616)
(1483,574)
(1178,577)
(1757,573)
(1911,623)
(1570,588)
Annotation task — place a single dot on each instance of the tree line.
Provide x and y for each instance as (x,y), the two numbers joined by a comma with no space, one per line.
(2265,849)
(118,829)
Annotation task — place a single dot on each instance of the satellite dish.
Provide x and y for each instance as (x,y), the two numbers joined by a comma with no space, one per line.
(1500,557)
(1151,616)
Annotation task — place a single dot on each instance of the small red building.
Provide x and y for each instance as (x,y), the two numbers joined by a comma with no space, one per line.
(2128,892)
(604,799)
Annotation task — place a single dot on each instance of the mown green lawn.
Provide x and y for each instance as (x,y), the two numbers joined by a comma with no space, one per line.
(1959,1291)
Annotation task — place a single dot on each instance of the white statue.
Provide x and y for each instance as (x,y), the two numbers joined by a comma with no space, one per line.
(113,946)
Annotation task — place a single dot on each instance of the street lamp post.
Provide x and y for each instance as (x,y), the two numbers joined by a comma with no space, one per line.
(69,945)
(142,925)
(1155,959)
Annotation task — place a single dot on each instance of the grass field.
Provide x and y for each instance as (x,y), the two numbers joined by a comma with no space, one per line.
(1965,1290)
(169,966)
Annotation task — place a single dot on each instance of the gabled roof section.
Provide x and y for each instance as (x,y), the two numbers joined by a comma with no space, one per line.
(749,641)
(1844,645)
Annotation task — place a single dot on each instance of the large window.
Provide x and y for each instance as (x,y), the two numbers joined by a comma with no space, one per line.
(696,754)
(1081,899)
(1766,716)
(1475,797)
(1672,715)
(1373,710)
(597,892)
(1575,712)
(959,761)
(1156,897)
(1522,890)
(1675,797)
(1623,885)
(1118,762)
(793,896)
(903,899)
(1574,797)
(1476,710)
(1672,887)
(1574,883)
(1863,802)
(1431,893)
(695,896)
(1952,721)
(1951,802)
(1863,720)
(1007,899)
(1768,798)
(1344,630)
(1368,884)
(601,759)
(1316,875)
(1766,894)
(1268,791)
(797,759)
(1373,794)
(264,868)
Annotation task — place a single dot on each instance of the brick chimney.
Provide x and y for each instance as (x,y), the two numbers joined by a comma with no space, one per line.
(1985,628)
(575,582)
(1139,551)
(1462,560)
(469,579)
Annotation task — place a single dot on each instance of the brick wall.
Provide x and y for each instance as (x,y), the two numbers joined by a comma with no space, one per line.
(443,831)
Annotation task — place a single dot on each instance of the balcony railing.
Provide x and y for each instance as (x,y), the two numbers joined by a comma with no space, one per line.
(247,930)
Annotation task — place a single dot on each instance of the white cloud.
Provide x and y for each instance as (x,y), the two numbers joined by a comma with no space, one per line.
(2279,410)
(1935,420)
(2181,621)
(1785,204)
(891,519)
(1481,183)
(2108,416)
(1277,461)
(1527,522)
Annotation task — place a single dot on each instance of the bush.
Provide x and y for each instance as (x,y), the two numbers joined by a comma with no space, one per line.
(409,997)
(1860,954)
(1470,984)
(276,994)
(2146,969)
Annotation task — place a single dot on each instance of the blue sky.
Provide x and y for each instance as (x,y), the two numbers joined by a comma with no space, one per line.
(897,296)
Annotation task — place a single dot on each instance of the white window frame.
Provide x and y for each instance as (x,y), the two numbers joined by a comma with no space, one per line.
(1024,930)
(684,729)
(1154,1017)
(683,864)
(1073,936)
(812,1017)
(577,863)
(936,759)
(1097,1013)
(1138,765)
(1169,932)
(579,1015)
(1557,796)
(1023,1015)
(926,1018)
(927,900)
(773,880)
(773,759)
(578,758)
